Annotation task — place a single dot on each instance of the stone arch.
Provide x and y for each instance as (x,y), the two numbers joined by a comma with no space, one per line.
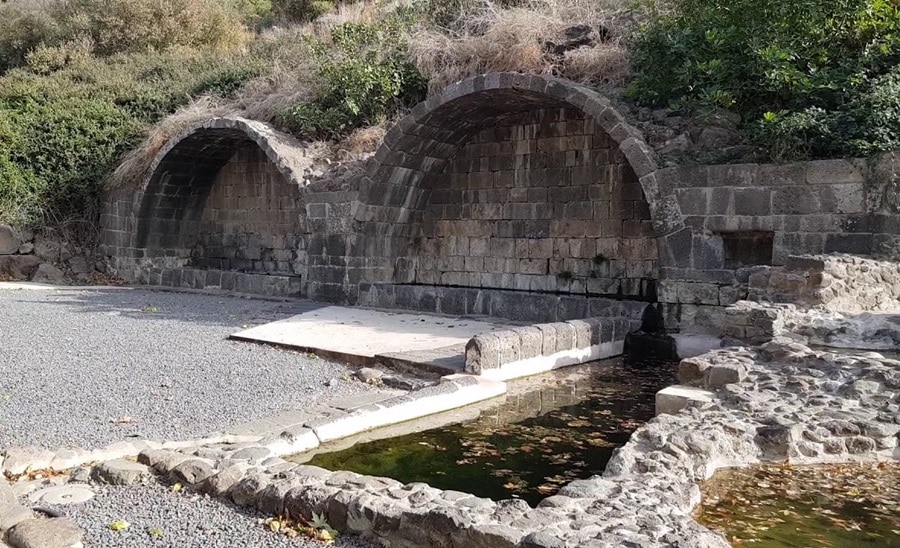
(396,196)
(222,194)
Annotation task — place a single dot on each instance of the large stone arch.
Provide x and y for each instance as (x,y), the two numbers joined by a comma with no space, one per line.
(397,197)
(224,195)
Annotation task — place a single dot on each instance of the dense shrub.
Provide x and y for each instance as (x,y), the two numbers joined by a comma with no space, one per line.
(301,10)
(125,26)
(62,133)
(804,74)
(366,77)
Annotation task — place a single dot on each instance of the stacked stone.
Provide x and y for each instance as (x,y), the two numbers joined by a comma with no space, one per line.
(540,194)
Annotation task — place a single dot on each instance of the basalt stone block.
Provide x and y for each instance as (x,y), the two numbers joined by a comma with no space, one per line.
(548,338)
(509,344)
(565,337)
(583,333)
(482,352)
(677,249)
(530,342)
(719,375)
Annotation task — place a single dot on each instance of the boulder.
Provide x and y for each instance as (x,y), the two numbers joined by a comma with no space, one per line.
(46,248)
(9,240)
(79,265)
(18,267)
(45,533)
(46,273)
(120,472)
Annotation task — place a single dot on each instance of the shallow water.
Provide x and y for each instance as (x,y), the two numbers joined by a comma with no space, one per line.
(778,506)
(550,430)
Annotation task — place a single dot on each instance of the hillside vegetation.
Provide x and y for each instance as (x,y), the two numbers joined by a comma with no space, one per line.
(91,89)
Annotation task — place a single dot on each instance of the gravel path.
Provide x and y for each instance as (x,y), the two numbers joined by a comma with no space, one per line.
(184,519)
(88,368)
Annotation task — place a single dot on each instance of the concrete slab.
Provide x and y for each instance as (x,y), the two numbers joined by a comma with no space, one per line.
(448,360)
(357,335)
(357,401)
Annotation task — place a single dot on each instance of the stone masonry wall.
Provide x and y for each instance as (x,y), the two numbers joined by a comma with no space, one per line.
(806,208)
(542,201)
(250,221)
(843,283)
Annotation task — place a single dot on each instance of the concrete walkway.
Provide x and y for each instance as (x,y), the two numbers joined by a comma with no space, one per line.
(357,335)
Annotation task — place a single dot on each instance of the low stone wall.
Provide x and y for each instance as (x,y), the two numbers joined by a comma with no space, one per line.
(780,402)
(835,282)
(522,306)
(523,351)
(227,280)
(26,256)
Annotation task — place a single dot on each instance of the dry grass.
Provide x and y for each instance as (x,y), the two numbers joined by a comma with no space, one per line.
(136,163)
(514,39)
(490,38)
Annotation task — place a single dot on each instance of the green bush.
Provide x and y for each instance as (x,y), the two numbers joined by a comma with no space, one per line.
(125,26)
(367,77)
(61,133)
(796,71)
(21,31)
(301,10)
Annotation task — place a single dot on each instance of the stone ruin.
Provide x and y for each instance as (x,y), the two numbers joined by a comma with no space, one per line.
(511,195)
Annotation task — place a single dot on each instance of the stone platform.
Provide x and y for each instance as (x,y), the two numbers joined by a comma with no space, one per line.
(360,335)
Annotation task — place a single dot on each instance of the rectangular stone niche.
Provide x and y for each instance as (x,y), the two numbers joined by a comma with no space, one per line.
(747,248)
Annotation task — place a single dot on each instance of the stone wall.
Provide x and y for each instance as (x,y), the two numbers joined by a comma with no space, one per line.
(804,208)
(250,221)
(501,185)
(221,208)
(541,201)
(842,283)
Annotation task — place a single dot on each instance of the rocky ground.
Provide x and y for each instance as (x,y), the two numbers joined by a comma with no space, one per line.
(89,368)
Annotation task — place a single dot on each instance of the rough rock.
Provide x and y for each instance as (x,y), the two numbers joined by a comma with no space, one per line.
(11,514)
(47,249)
(369,374)
(18,267)
(193,471)
(79,265)
(120,472)
(6,493)
(9,240)
(46,273)
(26,248)
(45,533)
(252,453)
(20,459)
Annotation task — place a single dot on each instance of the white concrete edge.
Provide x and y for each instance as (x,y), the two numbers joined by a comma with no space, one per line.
(355,423)
(544,364)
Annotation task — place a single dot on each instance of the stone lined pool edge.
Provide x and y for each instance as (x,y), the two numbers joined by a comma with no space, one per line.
(646,494)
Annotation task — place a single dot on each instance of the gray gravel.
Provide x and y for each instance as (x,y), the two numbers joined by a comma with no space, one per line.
(185,520)
(73,362)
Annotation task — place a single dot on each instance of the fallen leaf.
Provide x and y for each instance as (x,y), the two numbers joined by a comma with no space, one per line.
(176,488)
(120,525)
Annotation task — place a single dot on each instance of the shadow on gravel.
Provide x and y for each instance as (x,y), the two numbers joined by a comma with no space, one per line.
(211,309)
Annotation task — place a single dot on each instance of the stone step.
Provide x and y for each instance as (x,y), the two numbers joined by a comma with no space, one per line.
(447,360)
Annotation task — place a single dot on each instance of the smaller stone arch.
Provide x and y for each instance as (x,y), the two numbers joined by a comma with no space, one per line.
(223,194)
